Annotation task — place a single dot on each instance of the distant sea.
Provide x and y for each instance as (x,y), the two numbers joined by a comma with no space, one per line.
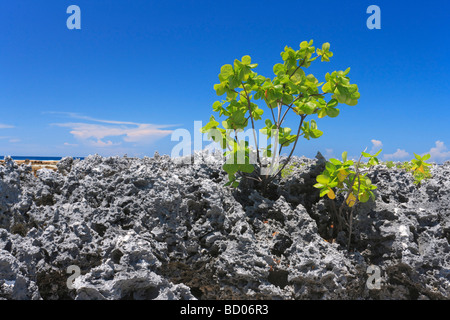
(38,158)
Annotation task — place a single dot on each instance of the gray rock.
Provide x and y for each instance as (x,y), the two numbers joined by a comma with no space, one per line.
(162,228)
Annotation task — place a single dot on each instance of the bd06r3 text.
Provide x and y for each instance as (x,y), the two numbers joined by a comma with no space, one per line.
(261,309)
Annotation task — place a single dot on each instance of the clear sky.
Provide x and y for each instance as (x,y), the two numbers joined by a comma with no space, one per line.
(137,70)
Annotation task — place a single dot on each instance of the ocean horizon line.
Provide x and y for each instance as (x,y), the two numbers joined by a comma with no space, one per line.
(40,158)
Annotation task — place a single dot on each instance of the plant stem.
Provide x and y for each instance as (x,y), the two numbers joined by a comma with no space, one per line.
(293,148)
(351,185)
(284,115)
(251,178)
(279,115)
(334,216)
(273,115)
(253,125)
(299,66)
(351,215)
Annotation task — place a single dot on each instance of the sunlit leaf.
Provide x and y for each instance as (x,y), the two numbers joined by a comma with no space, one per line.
(331,194)
(323,179)
(351,200)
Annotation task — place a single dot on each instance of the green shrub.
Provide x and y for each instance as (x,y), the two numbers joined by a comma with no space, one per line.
(349,179)
(290,91)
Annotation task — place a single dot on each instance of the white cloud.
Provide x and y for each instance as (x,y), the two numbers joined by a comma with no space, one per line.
(102,144)
(10,139)
(397,155)
(5,126)
(376,146)
(67,144)
(439,153)
(329,153)
(95,131)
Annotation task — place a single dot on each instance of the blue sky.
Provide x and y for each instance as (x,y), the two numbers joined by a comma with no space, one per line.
(138,70)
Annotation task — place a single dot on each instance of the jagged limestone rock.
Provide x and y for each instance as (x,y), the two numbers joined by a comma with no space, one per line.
(161,228)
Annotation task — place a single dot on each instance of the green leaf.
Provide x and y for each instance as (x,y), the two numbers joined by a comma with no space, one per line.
(324,192)
(323,179)
(226,70)
(426,157)
(327,88)
(234,82)
(351,102)
(308,108)
(298,75)
(246,60)
(237,65)
(364,197)
(267,151)
(332,103)
(257,113)
(210,125)
(330,167)
(333,184)
(336,162)
(316,133)
(231,95)
(279,69)
(322,113)
(348,163)
(220,89)
(332,112)
(240,76)
(319,185)
(217,106)
(230,168)
(304,45)
(344,156)
(247,168)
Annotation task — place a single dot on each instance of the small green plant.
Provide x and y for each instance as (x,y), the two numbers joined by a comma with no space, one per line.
(350,180)
(400,165)
(290,91)
(405,165)
(419,168)
(390,164)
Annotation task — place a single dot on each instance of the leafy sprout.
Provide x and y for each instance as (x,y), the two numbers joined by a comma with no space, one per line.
(347,178)
(419,168)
